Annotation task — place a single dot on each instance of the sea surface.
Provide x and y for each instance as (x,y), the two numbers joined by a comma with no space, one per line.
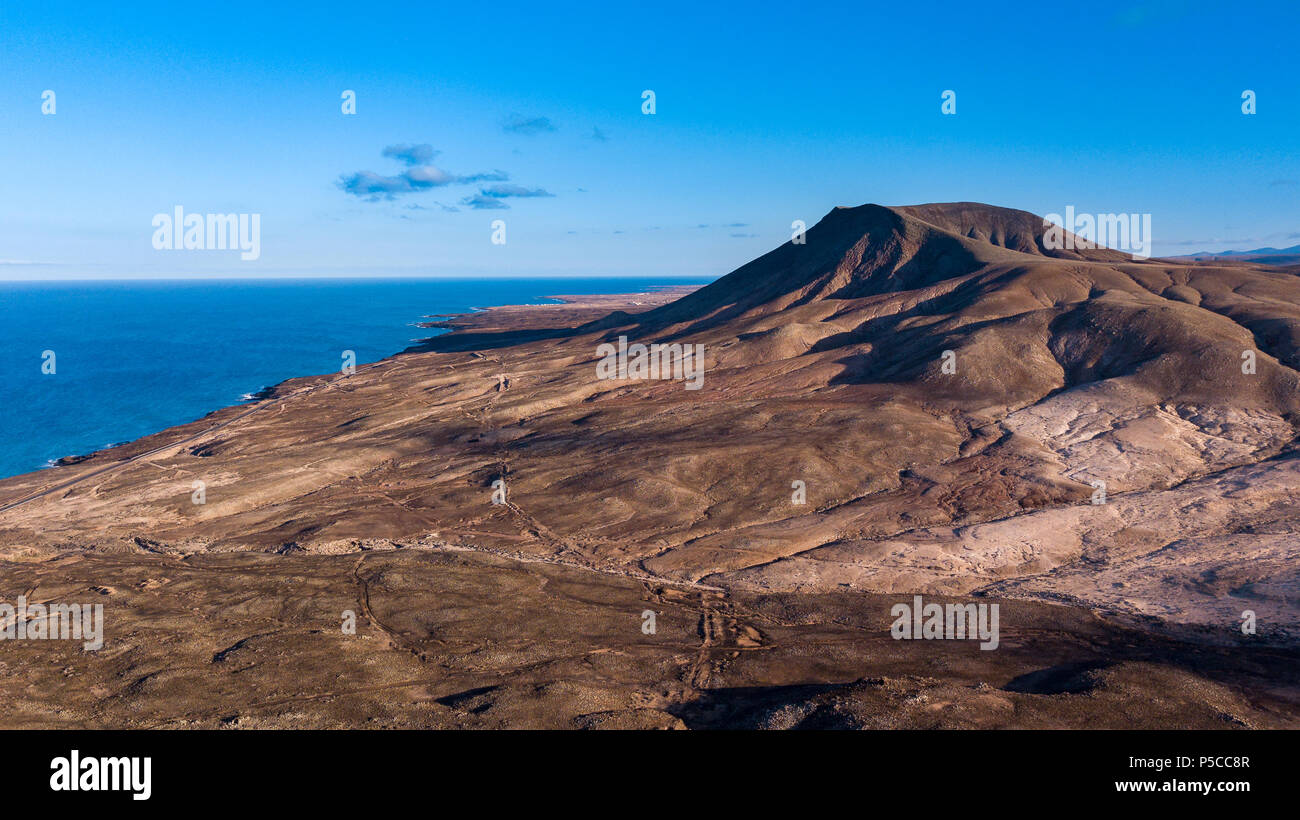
(134,357)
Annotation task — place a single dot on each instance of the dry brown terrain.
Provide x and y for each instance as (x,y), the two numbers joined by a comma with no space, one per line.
(372,492)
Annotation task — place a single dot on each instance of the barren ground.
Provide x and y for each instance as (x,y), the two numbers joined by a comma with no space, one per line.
(371,493)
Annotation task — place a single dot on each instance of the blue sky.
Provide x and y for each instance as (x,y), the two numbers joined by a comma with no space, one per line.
(765,113)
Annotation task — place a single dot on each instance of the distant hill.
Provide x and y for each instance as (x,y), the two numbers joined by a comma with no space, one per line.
(1258,256)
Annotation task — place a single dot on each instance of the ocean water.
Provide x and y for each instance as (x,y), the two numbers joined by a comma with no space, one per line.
(134,357)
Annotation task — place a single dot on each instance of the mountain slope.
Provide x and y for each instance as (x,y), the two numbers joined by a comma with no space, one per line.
(871,250)
(950,396)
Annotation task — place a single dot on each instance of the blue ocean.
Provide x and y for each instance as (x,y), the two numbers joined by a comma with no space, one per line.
(133,357)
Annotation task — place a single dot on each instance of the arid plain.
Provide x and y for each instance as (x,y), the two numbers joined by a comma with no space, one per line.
(1105,447)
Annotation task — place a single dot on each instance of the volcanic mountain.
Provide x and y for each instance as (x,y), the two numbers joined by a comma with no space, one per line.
(921,399)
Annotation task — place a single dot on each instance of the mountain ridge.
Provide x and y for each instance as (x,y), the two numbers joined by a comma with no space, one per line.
(865,250)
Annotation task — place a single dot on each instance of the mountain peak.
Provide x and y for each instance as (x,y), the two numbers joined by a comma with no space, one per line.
(870,249)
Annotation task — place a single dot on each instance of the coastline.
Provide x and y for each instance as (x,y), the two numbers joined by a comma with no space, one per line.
(452,322)
(498,325)
(370,493)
